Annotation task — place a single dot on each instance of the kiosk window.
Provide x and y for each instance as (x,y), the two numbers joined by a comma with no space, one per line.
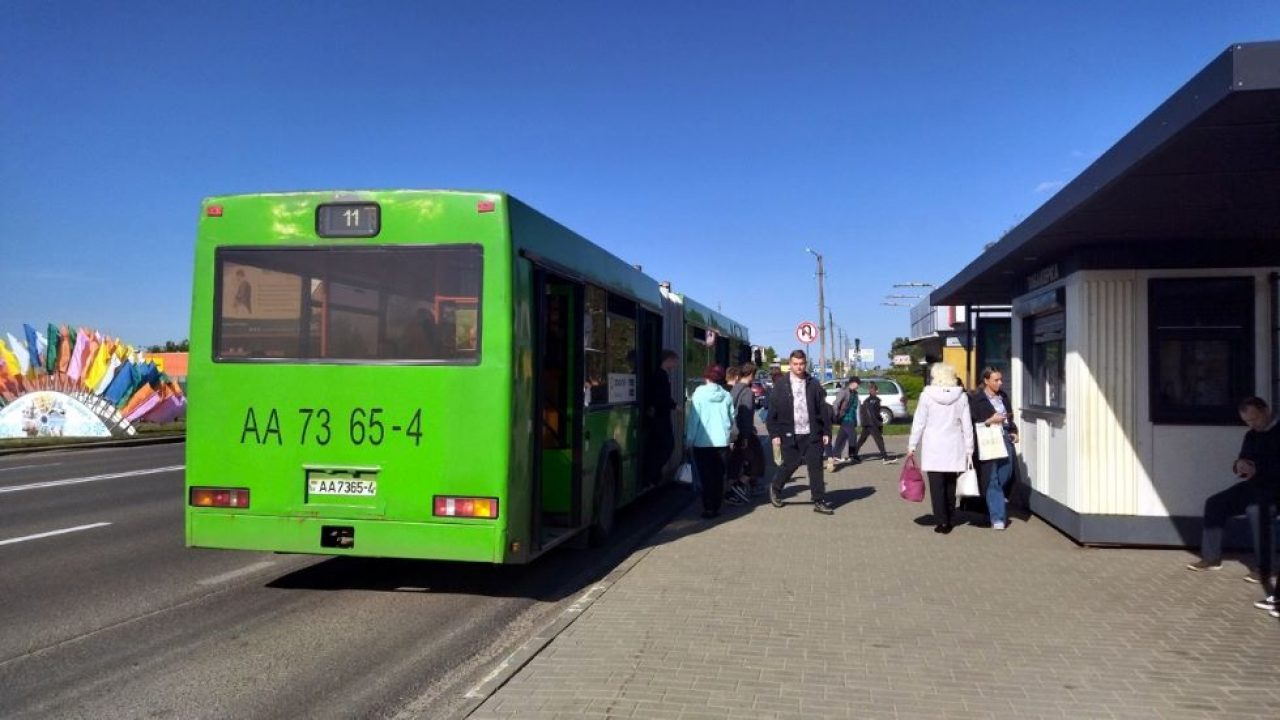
(1202,355)
(1047,366)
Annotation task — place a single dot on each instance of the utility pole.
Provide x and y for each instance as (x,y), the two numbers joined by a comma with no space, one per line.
(831,321)
(822,331)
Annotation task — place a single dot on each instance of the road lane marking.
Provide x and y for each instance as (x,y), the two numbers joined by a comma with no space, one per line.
(91,478)
(51,533)
(22,467)
(226,576)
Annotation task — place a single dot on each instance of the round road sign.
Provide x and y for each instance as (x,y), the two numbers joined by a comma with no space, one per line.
(806,332)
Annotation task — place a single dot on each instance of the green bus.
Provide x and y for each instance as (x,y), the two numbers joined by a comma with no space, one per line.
(421,374)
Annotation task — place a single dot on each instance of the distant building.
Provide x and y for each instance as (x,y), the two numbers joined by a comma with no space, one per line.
(966,338)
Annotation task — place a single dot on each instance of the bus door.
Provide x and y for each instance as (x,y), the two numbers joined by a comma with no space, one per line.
(558,409)
(647,365)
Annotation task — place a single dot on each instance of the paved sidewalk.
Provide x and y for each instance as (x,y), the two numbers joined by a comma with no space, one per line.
(769,613)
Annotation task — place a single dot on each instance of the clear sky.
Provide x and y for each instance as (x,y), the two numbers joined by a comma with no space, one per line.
(710,142)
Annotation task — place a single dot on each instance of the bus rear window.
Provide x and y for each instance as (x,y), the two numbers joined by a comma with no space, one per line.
(408,304)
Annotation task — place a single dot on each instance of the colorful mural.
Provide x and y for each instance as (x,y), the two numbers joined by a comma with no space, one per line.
(49,381)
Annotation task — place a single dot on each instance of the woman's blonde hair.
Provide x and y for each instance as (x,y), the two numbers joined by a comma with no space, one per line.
(943,375)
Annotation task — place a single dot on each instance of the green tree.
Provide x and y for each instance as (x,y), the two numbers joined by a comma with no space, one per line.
(770,355)
(171,346)
(903,346)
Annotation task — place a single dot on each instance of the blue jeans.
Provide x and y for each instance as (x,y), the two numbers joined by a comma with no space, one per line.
(997,474)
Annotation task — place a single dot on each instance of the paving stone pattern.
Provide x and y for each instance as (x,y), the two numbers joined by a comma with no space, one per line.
(784,613)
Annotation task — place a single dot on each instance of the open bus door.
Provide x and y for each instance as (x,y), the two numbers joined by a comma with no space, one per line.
(558,410)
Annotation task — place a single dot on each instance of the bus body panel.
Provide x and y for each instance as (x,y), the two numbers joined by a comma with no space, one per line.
(417,431)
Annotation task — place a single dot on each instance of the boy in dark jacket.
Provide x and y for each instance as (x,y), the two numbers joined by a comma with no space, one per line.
(869,416)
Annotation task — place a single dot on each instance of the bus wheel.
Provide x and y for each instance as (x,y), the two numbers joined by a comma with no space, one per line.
(606,505)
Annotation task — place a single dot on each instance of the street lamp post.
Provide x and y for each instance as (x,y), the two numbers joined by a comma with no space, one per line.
(822,331)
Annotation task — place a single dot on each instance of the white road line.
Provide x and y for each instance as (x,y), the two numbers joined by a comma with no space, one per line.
(21,467)
(226,576)
(91,478)
(51,533)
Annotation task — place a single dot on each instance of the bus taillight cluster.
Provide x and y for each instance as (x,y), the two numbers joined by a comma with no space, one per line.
(471,507)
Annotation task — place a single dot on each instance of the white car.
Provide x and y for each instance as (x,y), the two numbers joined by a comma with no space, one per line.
(893,401)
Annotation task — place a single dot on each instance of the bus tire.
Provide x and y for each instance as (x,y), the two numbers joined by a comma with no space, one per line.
(606,504)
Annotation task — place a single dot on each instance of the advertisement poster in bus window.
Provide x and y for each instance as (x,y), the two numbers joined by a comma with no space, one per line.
(622,388)
(260,311)
(461,314)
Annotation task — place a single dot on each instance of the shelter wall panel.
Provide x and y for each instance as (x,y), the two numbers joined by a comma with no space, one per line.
(1101,395)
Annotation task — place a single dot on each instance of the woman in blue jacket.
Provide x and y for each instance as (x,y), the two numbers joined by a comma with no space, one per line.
(707,433)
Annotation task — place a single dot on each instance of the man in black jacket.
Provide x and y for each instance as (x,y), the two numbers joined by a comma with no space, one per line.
(657,417)
(1255,495)
(799,427)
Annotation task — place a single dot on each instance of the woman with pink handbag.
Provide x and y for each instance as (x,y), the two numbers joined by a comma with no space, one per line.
(943,433)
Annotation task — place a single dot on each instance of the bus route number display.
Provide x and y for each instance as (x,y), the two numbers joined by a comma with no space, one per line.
(359,427)
(344,220)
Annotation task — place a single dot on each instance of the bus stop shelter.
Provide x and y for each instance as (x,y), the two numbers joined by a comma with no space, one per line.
(1144,307)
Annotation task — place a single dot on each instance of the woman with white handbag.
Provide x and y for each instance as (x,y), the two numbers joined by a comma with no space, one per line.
(942,431)
(996,434)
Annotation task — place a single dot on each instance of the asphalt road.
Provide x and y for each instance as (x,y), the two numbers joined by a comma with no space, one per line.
(104,613)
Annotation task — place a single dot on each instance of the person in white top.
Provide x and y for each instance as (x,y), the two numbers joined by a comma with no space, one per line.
(942,431)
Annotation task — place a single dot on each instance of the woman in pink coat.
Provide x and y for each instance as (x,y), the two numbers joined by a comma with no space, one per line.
(943,432)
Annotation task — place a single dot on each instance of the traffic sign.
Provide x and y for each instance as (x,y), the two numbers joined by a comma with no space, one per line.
(806,332)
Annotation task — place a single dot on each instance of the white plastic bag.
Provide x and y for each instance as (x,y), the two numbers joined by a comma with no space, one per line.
(685,474)
(967,483)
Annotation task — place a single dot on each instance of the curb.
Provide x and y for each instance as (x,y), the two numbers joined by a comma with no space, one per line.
(521,656)
(129,442)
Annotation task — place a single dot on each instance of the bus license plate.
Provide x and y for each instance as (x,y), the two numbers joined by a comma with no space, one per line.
(351,488)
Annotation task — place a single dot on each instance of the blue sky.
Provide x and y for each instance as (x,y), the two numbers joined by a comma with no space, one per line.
(709,142)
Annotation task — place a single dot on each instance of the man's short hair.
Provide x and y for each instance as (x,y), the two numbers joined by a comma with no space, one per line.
(731,372)
(1255,402)
(669,355)
(852,380)
(747,370)
(798,354)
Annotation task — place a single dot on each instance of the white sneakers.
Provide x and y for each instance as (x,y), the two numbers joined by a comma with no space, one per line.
(997,525)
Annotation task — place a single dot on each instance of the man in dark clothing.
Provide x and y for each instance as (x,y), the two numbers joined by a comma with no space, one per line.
(657,415)
(1255,496)
(799,427)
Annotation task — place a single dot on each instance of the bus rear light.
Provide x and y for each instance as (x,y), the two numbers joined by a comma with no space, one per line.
(220,497)
(472,507)
(214,211)
(485,206)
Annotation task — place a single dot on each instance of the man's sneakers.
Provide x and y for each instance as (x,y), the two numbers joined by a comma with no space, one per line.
(997,525)
(1269,604)
(889,460)
(1202,565)
(775,496)
(823,507)
(831,464)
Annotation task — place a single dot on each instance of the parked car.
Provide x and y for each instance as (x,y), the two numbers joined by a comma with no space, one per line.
(758,391)
(893,399)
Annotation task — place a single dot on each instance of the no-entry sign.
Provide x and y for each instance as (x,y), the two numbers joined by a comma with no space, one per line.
(806,332)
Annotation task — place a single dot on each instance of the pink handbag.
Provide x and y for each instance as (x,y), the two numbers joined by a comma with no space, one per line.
(911,482)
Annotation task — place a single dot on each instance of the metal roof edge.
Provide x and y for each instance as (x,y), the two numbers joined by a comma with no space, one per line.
(1241,67)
